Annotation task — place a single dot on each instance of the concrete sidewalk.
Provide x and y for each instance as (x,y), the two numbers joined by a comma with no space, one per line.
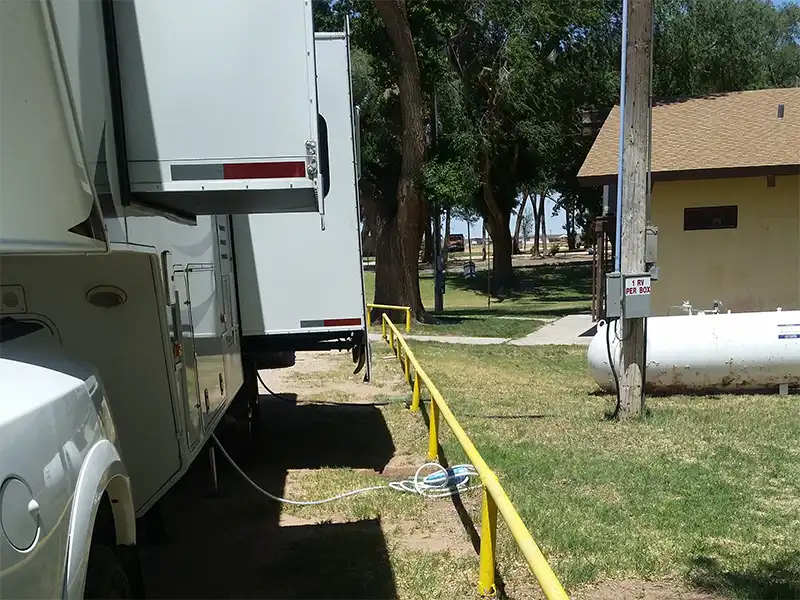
(572,330)
(569,330)
(449,339)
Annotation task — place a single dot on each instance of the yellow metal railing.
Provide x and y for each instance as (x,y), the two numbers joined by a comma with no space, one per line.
(407,310)
(494,496)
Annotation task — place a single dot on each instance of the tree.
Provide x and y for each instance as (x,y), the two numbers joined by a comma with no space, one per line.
(395,182)
(519,72)
(400,234)
(527,224)
(520,219)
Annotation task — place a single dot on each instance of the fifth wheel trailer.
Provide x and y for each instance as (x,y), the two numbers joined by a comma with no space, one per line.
(301,284)
(112,172)
(107,112)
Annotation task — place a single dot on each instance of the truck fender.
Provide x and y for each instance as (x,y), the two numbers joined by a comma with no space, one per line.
(102,471)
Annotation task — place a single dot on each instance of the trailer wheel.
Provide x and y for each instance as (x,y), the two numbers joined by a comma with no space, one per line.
(105,577)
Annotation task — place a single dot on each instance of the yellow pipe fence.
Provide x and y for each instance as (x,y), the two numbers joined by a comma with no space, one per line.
(494,496)
(406,309)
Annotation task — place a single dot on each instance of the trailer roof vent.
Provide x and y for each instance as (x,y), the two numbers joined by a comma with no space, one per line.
(106,296)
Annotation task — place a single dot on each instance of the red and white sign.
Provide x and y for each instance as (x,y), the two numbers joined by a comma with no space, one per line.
(637,286)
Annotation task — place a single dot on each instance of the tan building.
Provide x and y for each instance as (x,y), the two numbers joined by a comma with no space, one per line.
(725,199)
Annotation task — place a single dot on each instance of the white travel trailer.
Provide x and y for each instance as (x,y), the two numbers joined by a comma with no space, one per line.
(115,159)
(301,284)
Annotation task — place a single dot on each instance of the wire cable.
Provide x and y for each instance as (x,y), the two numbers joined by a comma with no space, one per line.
(442,483)
(615,414)
(290,401)
(266,387)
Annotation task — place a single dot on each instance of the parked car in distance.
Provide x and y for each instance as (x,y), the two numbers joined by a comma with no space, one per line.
(455,242)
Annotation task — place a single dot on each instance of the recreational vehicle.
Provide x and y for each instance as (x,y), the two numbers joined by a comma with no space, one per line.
(119,337)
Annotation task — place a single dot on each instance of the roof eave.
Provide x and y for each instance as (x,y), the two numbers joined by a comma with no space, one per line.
(695,174)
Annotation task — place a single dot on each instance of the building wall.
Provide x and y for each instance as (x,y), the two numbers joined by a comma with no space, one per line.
(750,268)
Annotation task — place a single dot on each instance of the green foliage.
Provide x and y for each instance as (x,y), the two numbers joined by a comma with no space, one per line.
(712,46)
(512,79)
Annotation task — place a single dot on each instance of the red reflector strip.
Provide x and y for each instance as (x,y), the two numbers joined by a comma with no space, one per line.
(268,170)
(340,322)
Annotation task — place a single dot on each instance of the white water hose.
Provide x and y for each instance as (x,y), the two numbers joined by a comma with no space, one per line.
(442,483)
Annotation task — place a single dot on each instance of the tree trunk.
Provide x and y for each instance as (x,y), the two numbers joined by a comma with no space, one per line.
(397,270)
(537,228)
(570,222)
(485,241)
(542,198)
(427,252)
(520,217)
(498,222)
(502,269)
(446,234)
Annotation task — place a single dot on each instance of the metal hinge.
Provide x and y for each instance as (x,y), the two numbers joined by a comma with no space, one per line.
(311,159)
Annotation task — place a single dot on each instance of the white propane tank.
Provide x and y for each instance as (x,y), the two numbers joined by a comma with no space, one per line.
(758,351)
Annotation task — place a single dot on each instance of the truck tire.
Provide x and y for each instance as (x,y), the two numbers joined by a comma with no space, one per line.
(105,577)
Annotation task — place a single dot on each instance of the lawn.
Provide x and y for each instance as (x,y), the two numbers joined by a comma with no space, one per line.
(702,497)
(705,490)
(539,292)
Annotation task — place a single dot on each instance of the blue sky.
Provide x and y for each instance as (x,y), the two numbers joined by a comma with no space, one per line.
(554,224)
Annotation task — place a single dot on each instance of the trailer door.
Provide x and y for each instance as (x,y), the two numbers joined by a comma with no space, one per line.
(219,105)
(193,410)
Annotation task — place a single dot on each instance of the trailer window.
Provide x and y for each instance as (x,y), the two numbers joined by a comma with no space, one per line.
(710,217)
(324,160)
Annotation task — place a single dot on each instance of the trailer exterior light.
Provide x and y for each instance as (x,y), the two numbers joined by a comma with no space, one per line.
(106,296)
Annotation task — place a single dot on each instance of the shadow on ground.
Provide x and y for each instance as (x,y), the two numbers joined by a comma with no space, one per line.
(232,545)
(569,282)
(774,580)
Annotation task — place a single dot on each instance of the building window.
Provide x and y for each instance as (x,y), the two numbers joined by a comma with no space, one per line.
(710,217)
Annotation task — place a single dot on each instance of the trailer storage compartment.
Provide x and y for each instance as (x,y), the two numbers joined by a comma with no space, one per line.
(47,198)
(218,100)
(164,366)
(300,280)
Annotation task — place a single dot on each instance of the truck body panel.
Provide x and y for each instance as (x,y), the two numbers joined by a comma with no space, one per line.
(165,402)
(300,279)
(47,198)
(219,103)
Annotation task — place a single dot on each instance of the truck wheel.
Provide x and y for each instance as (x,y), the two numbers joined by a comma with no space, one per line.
(105,577)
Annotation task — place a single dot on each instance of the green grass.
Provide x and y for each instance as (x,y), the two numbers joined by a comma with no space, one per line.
(705,490)
(545,291)
(478,326)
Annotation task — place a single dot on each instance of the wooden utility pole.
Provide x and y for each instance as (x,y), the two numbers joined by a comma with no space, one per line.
(635,165)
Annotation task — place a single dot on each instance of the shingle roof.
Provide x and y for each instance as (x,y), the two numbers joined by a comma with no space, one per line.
(724,131)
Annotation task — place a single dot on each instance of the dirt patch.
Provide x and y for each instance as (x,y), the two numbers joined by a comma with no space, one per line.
(633,589)
(439,531)
(301,380)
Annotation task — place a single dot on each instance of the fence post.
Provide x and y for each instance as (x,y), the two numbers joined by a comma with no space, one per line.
(486,585)
(383,326)
(407,369)
(391,338)
(433,439)
(369,316)
(408,320)
(415,394)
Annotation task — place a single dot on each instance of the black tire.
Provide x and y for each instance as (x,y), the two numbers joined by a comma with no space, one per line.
(105,577)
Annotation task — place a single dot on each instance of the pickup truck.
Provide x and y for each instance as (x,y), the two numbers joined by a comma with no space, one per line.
(66,509)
